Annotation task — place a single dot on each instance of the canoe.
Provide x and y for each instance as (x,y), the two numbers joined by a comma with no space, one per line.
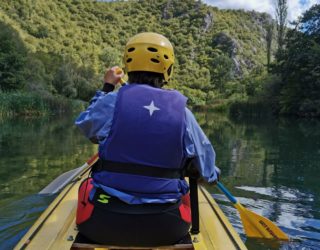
(56,227)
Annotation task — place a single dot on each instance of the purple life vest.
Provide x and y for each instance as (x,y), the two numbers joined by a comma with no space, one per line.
(144,152)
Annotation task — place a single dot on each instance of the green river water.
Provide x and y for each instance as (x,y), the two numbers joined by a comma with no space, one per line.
(271,166)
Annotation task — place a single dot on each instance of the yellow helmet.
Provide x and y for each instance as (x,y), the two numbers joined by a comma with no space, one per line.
(150,52)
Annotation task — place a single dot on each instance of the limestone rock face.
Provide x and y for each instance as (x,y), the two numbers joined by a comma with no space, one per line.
(229,46)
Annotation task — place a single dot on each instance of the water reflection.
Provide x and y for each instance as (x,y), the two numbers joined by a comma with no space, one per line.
(34,151)
(272,167)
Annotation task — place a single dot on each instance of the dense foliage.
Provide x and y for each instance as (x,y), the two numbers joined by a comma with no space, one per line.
(69,43)
(299,67)
(62,47)
(12,58)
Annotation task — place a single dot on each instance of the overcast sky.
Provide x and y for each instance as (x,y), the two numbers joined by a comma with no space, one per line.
(295,7)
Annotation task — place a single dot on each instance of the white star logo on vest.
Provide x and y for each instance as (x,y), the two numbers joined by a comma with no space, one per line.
(151,108)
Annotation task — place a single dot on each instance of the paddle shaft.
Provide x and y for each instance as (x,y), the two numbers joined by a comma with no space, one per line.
(226,192)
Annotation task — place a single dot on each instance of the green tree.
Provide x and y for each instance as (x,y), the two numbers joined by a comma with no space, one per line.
(300,68)
(269,38)
(36,78)
(64,80)
(12,59)
(281,7)
(110,57)
(221,71)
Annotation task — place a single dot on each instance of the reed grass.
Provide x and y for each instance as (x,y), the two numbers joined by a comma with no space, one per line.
(32,104)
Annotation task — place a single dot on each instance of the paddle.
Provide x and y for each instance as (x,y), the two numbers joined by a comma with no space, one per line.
(63,180)
(255,225)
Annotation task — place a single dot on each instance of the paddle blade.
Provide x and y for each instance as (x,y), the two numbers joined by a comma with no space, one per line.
(257,226)
(61,181)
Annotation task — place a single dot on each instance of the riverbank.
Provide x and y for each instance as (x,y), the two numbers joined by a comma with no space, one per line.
(35,104)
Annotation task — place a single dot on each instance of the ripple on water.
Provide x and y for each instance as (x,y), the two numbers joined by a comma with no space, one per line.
(281,192)
(17,217)
(292,210)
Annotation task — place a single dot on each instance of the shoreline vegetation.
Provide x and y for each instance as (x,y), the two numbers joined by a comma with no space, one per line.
(53,55)
(34,105)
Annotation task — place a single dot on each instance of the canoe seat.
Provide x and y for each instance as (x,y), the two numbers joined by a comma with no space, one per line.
(82,243)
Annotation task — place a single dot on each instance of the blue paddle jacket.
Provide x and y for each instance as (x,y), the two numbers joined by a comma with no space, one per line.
(145,135)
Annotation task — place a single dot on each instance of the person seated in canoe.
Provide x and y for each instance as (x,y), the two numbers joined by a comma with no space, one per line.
(137,195)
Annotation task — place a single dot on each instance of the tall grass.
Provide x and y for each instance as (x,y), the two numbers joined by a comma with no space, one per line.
(32,104)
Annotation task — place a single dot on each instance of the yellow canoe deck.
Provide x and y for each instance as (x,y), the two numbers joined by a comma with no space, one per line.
(56,228)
